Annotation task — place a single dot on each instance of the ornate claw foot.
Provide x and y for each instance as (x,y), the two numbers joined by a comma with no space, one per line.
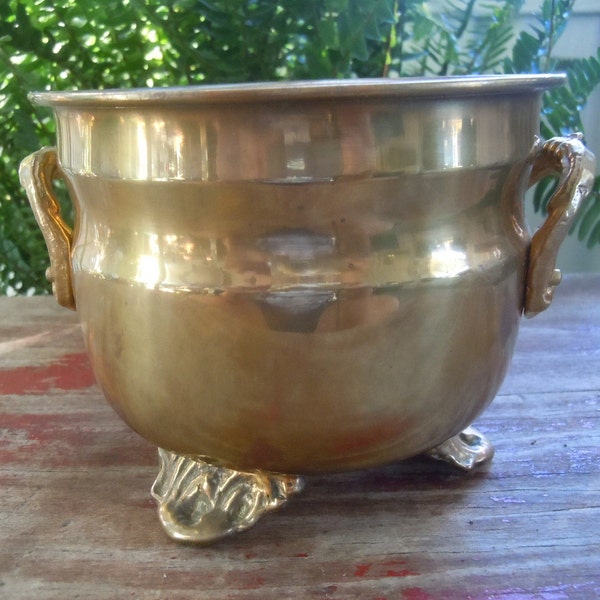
(199,502)
(467,450)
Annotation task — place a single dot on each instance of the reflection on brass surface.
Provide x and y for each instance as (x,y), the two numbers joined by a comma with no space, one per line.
(308,277)
(37,172)
(201,503)
(466,450)
(569,158)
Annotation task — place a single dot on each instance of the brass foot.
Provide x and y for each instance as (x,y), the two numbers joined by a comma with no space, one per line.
(467,450)
(199,502)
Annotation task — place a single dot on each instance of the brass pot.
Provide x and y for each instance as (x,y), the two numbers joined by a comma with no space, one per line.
(301,277)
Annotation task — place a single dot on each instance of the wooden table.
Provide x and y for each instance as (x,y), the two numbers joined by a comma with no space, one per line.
(77,520)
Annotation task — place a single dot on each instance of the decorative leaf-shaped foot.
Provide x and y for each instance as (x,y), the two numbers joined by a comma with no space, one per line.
(200,502)
(467,450)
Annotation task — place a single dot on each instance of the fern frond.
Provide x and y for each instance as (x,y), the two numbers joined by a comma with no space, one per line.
(589,222)
(533,50)
(491,36)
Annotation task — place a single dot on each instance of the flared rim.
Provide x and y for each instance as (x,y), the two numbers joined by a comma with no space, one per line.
(421,87)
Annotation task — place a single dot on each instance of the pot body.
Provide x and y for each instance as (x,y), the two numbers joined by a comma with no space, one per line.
(300,283)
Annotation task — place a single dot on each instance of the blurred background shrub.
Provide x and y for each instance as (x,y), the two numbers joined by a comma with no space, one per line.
(85,44)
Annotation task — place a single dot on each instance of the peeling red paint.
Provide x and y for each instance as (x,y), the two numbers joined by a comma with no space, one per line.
(361,570)
(415,593)
(400,573)
(382,569)
(393,563)
(41,429)
(70,372)
(254,583)
(301,555)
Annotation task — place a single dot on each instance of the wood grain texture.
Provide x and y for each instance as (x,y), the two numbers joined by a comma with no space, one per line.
(77,520)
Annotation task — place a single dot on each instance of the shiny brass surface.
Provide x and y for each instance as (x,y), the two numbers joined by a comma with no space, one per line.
(467,450)
(306,277)
(37,172)
(569,158)
(201,503)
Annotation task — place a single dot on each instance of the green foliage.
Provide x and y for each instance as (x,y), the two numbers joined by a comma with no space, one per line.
(533,52)
(77,44)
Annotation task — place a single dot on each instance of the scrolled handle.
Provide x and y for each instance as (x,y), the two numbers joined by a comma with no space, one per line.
(37,172)
(569,158)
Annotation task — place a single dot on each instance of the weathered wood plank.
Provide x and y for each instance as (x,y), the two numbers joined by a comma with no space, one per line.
(76,518)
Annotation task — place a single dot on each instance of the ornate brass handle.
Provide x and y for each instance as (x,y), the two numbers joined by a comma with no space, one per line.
(37,172)
(569,158)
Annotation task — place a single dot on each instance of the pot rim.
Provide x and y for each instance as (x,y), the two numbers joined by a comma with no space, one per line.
(435,88)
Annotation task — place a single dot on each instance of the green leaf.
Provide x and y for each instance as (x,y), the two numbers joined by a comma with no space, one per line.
(328,33)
